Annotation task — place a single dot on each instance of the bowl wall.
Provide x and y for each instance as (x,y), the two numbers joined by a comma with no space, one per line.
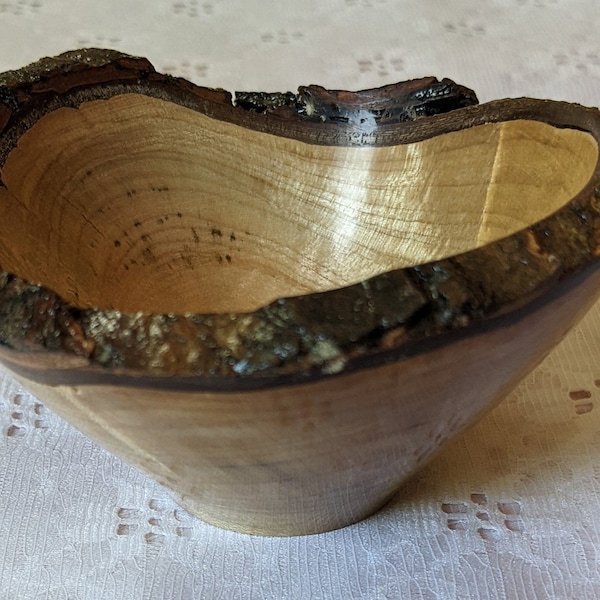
(158,208)
(319,456)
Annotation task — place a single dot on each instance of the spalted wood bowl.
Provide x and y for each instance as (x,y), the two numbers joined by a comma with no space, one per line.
(281,305)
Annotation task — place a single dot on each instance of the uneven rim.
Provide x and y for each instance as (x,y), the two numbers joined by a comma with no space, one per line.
(304,338)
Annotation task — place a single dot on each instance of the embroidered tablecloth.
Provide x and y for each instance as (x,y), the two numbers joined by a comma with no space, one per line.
(509,510)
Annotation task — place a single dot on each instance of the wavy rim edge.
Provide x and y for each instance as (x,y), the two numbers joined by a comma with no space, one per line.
(302,338)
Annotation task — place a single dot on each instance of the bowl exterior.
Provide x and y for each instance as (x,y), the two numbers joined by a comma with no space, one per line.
(318,456)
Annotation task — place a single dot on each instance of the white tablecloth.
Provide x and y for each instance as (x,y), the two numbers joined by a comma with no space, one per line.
(509,510)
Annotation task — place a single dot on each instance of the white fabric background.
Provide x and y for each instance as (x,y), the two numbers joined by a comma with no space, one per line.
(510,510)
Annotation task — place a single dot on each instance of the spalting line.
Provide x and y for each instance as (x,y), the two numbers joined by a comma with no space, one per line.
(584,408)
(580,394)
(582,400)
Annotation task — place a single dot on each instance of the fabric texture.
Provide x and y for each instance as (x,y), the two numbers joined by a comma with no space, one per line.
(508,510)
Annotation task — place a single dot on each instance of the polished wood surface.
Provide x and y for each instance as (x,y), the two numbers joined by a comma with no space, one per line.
(314,457)
(158,208)
(161,245)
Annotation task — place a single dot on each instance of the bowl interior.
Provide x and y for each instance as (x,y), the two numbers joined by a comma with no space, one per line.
(139,204)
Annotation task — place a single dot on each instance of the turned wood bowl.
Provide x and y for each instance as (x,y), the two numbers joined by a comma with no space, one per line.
(280,306)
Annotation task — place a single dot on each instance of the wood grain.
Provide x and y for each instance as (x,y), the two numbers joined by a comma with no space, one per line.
(319,456)
(160,209)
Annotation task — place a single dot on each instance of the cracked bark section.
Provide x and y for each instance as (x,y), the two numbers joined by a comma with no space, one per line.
(398,103)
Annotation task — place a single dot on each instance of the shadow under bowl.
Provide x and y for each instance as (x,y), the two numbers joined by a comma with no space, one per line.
(279,306)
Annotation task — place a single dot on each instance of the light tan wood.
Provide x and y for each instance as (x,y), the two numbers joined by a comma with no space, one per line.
(158,208)
(314,457)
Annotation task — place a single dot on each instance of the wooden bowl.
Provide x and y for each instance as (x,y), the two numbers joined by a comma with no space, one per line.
(280,306)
